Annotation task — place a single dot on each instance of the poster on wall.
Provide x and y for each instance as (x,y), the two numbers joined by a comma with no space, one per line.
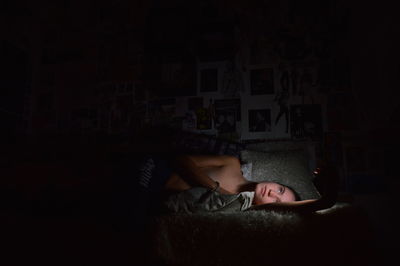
(262,81)
(204,120)
(226,121)
(260,120)
(189,121)
(306,121)
(227,113)
(232,80)
(162,111)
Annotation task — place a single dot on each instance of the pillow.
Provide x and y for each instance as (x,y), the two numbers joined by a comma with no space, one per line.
(308,147)
(289,168)
(246,170)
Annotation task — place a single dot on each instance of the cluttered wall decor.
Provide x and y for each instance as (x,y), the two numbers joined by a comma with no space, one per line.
(259,120)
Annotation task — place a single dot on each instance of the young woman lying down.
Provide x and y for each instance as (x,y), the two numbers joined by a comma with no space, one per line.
(197,183)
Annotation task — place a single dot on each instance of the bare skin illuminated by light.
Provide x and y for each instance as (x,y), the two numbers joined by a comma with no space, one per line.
(205,171)
(269,192)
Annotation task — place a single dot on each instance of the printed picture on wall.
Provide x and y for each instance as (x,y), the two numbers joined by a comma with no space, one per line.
(161,111)
(228,104)
(306,121)
(189,121)
(203,118)
(260,120)
(225,121)
(209,80)
(262,81)
(227,112)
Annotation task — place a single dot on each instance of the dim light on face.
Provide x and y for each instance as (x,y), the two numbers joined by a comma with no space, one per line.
(269,192)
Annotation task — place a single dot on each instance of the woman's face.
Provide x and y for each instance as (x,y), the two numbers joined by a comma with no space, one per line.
(269,192)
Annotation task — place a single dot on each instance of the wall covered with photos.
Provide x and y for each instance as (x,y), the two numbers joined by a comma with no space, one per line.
(241,70)
(227,72)
(238,70)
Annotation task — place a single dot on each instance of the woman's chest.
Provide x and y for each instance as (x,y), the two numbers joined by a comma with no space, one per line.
(228,178)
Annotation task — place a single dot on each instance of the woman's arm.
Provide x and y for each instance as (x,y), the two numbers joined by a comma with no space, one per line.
(189,169)
(329,177)
(303,206)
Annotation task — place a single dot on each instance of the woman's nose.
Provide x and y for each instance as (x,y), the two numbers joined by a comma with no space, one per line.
(273,194)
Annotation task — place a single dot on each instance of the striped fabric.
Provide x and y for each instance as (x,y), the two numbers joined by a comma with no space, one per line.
(146,173)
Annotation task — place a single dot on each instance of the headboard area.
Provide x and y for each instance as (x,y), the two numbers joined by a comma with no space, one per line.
(202,143)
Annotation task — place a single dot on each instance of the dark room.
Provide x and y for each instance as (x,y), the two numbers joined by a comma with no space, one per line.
(199,132)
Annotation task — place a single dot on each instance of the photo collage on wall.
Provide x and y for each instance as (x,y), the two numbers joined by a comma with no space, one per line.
(161,111)
(269,103)
(202,114)
(259,120)
(227,113)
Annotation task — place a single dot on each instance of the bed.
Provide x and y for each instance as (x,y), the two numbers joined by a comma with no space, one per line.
(336,235)
(49,215)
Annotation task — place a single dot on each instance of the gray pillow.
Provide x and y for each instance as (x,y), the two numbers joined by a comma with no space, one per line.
(289,168)
(308,147)
(246,170)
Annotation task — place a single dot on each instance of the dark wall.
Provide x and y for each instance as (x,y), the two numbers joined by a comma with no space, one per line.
(115,68)
(14,87)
